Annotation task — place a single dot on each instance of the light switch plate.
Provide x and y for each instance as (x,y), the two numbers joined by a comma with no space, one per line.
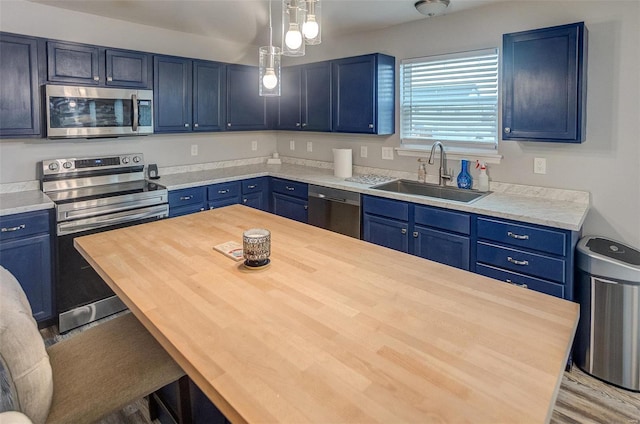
(539,165)
(363,151)
(309,146)
(292,145)
(387,153)
(254,145)
(194,150)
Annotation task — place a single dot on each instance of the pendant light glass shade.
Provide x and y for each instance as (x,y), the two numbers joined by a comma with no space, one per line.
(311,29)
(293,18)
(269,71)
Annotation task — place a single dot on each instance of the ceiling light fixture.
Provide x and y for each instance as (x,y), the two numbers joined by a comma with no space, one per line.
(293,16)
(269,66)
(431,7)
(311,27)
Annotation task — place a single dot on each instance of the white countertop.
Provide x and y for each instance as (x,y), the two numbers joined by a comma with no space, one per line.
(564,209)
(24,201)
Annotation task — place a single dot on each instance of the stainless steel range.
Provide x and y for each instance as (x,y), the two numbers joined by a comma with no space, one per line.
(91,195)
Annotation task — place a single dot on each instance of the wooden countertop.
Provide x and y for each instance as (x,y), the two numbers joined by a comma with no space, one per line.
(336,329)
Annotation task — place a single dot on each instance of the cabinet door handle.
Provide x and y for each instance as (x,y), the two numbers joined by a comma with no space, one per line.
(228,124)
(244,200)
(11,229)
(186,197)
(370,126)
(109,79)
(306,207)
(252,186)
(186,125)
(304,124)
(403,231)
(517,262)
(507,130)
(415,234)
(297,124)
(196,125)
(96,78)
(223,191)
(290,188)
(518,236)
(523,285)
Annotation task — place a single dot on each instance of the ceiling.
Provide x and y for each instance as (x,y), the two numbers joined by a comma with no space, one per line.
(246,21)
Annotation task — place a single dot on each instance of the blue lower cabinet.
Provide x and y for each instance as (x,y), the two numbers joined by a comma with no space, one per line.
(25,251)
(521,280)
(386,232)
(186,201)
(440,246)
(223,194)
(290,207)
(256,201)
(202,410)
(255,193)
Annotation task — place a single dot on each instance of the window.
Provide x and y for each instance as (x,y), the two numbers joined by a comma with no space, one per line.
(450,98)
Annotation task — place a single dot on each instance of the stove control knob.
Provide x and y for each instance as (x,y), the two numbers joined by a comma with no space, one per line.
(67,165)
(136,159)
(53,166)
(125,160)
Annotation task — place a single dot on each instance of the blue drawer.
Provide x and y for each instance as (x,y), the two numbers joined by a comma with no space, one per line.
(290,188)
(522,262)
(458,222)
(187,196)
(255,185)
(518,279)
(523,236)
(224,191)
(385,207)
(24,224)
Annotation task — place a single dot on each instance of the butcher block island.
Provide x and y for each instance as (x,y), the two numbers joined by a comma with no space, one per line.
(335,329)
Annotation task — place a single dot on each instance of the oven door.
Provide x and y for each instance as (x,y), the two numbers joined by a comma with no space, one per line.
(81,295)
(86,112)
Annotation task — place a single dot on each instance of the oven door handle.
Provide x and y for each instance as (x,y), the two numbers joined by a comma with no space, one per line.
(107,220)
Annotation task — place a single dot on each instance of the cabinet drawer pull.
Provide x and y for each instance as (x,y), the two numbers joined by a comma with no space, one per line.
(523,285)
(518,236)
(245,200)
(290,188)
(252,186)
(507,130)
(10,229)
(186,197)
(517,262)
(223,191)
(306,207)
(403,231)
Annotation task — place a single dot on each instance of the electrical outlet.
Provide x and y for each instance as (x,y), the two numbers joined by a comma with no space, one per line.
(292,145)
(309,146)
(254,145)
(363,151)
(539,166)
(194,150)
(387,153)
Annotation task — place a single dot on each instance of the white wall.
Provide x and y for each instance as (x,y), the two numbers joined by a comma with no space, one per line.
(606,164)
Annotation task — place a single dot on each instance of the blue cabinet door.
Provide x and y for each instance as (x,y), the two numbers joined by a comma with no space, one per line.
(290,207)
(440,246)
(172,94)
(245,109)
(73,63)
(544,84)
(290,102)
(20,100)
(208,84)
(255,193)
(363,94)
(386,232)
(316,97)
(29,260)
(128,69)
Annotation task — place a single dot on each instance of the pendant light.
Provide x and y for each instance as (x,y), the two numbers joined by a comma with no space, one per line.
(293,17)
(311,27)
(269,66)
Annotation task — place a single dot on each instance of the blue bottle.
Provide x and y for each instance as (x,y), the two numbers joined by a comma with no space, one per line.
(464,178)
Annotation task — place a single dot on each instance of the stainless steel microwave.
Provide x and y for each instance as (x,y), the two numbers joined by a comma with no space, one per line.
(90,112)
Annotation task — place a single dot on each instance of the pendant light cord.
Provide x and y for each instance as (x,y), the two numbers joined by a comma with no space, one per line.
(270,27)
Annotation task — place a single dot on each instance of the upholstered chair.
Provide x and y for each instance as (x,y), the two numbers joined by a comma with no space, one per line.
(80,379)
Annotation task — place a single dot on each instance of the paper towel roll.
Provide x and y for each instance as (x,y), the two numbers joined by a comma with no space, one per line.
(342,163)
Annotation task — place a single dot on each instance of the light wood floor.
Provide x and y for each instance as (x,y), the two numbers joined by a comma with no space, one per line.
(582,399)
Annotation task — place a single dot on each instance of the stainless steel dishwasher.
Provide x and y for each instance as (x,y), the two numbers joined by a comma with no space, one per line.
(335,210)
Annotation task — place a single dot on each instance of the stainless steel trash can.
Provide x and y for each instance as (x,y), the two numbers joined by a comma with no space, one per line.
(608,289)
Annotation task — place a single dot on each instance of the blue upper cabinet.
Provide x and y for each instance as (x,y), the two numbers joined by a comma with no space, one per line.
(305,103)
(363,90)
(73,63)
(20,99)
(544,84)
(245,109)
(208,86)
(172,91)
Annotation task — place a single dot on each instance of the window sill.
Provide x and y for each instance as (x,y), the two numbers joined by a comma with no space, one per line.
(455,153)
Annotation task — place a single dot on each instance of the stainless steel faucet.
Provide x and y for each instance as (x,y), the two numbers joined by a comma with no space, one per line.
(442,175)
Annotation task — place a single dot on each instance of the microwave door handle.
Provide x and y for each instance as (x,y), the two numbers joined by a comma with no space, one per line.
(134,99)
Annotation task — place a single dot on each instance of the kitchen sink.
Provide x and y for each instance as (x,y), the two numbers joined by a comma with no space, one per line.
(431,190)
